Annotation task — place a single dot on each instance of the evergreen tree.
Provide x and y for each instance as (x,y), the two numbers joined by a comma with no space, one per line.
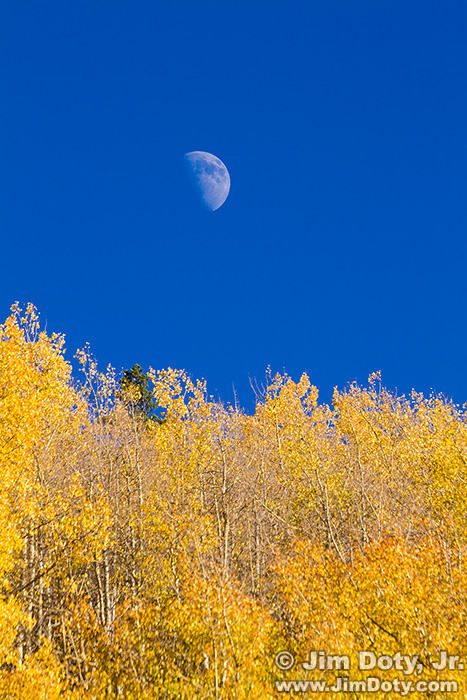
(136,395)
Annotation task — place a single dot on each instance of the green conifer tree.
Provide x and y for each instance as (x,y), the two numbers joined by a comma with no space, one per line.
(136,395)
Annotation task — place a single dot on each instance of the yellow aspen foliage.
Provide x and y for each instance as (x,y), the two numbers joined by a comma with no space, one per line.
(406,459)
(144,559)
(209,640)
(35,403)
(40,677)
(396,598)
(227,634)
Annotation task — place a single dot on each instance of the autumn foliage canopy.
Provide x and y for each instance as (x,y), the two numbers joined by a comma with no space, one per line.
(175,558)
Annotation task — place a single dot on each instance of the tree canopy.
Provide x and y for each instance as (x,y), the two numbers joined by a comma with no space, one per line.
(206,557)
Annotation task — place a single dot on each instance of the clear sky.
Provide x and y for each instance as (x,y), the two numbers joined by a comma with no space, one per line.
(341,249)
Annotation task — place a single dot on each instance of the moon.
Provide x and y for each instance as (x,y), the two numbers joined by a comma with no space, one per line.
(210,178)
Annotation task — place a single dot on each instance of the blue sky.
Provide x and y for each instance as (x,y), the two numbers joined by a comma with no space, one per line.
(341,249)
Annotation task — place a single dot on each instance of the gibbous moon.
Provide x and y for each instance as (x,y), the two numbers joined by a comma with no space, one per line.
(210,178)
